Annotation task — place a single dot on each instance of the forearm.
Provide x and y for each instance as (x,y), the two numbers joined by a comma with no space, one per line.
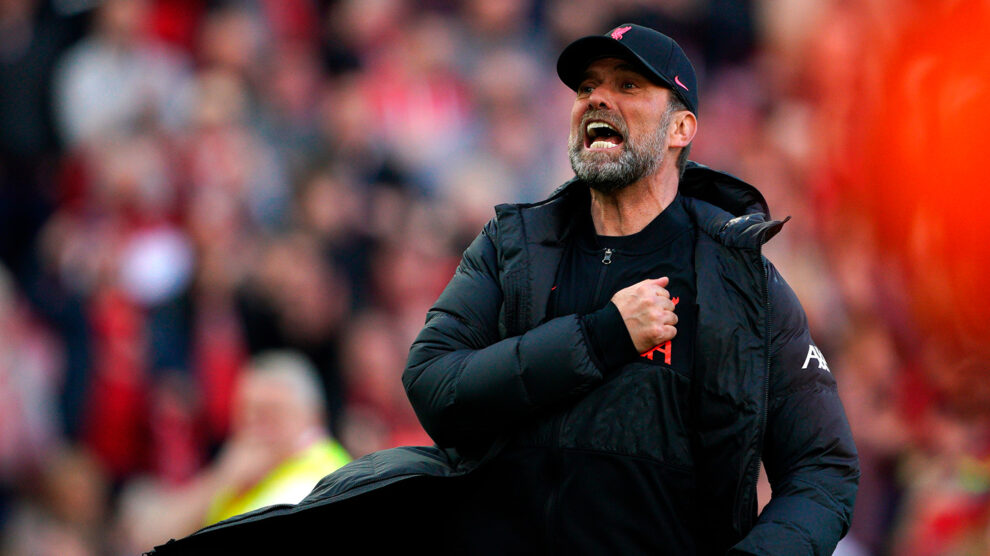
(166,513)
(806,515)
(458,392)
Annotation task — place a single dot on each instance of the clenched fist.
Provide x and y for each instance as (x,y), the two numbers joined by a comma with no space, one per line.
(648,312)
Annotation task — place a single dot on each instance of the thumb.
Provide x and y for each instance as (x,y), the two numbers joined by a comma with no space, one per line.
(662,282)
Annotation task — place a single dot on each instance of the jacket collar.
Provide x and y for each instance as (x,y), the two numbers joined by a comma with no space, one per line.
(726,208)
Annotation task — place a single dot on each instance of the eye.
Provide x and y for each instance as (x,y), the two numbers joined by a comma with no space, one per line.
(628,85)
(585,89)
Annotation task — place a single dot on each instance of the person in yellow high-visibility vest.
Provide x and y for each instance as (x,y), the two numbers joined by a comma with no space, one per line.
(279,448)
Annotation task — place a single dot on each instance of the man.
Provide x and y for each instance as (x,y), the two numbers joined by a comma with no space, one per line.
(631,347)
(277,451)
(607,368)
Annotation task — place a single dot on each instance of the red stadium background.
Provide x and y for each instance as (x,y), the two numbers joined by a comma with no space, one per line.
(187,183)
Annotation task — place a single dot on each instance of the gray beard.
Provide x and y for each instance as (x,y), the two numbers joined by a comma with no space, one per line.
(606,174)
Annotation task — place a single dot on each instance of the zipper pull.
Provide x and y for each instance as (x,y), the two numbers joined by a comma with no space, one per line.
(607,259)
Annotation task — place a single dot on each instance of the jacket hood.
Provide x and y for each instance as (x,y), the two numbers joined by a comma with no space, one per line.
(730,210)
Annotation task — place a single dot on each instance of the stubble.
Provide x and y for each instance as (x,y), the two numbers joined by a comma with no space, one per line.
(607,173)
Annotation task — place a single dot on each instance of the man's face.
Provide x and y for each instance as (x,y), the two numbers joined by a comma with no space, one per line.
(618,126)
(267,410)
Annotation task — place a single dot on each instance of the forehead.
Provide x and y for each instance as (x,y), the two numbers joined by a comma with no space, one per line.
(259,387)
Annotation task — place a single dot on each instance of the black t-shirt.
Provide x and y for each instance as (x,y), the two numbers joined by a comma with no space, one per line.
(595,267)
(567,486)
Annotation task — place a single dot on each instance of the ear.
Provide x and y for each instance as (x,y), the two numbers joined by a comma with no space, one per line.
(682,130)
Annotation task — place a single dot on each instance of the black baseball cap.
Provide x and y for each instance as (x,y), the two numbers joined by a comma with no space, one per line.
(657,55)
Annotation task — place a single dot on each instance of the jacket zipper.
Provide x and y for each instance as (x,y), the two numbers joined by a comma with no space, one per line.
(606,260)
(755,474)
(766,376)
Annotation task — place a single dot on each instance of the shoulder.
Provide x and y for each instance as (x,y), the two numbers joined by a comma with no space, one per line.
(796,361)
(482,254)
(787,315)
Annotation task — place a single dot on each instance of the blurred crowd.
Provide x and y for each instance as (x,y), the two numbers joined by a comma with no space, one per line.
(187,185)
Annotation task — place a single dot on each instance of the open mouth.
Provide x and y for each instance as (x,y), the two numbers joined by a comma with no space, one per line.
(599,135)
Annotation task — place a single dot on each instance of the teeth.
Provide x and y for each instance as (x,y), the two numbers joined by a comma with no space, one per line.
(603,145)
(598,125)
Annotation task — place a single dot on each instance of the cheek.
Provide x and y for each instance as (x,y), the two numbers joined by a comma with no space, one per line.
(575,127)
(577,112)
(643,125)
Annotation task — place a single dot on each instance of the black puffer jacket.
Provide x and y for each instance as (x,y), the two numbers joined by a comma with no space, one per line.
(486,362)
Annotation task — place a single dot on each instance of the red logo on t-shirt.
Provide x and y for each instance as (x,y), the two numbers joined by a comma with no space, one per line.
(664,348)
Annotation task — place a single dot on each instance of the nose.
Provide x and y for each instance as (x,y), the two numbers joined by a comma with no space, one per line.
(600,97)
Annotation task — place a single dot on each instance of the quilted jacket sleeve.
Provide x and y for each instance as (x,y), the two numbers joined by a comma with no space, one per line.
(464,381)
(808,452)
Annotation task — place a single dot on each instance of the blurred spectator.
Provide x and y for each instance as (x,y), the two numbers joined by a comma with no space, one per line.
(67,514)
(118,250)
(419,104)
(347,137)
(117,77)
(197,181)
(32,38)
(217,344)
(175,21)
(377,414)
(563,27)
(946,508)
(357,29)
(869,384)
(513,139)
(296,299)
(333,211)
(289,104)
(231,38)
(30,371)
(489,25)
(222,150)
(277,451)
(408,275)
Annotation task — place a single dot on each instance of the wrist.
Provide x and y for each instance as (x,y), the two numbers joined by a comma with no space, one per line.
(609,338)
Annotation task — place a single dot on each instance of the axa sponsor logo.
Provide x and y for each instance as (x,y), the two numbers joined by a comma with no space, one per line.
(816,354)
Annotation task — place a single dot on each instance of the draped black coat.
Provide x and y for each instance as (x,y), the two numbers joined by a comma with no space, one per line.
(488,360)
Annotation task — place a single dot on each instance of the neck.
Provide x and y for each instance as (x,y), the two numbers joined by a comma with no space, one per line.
(630,209)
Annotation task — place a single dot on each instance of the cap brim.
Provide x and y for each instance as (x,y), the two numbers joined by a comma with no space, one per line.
(574,60)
